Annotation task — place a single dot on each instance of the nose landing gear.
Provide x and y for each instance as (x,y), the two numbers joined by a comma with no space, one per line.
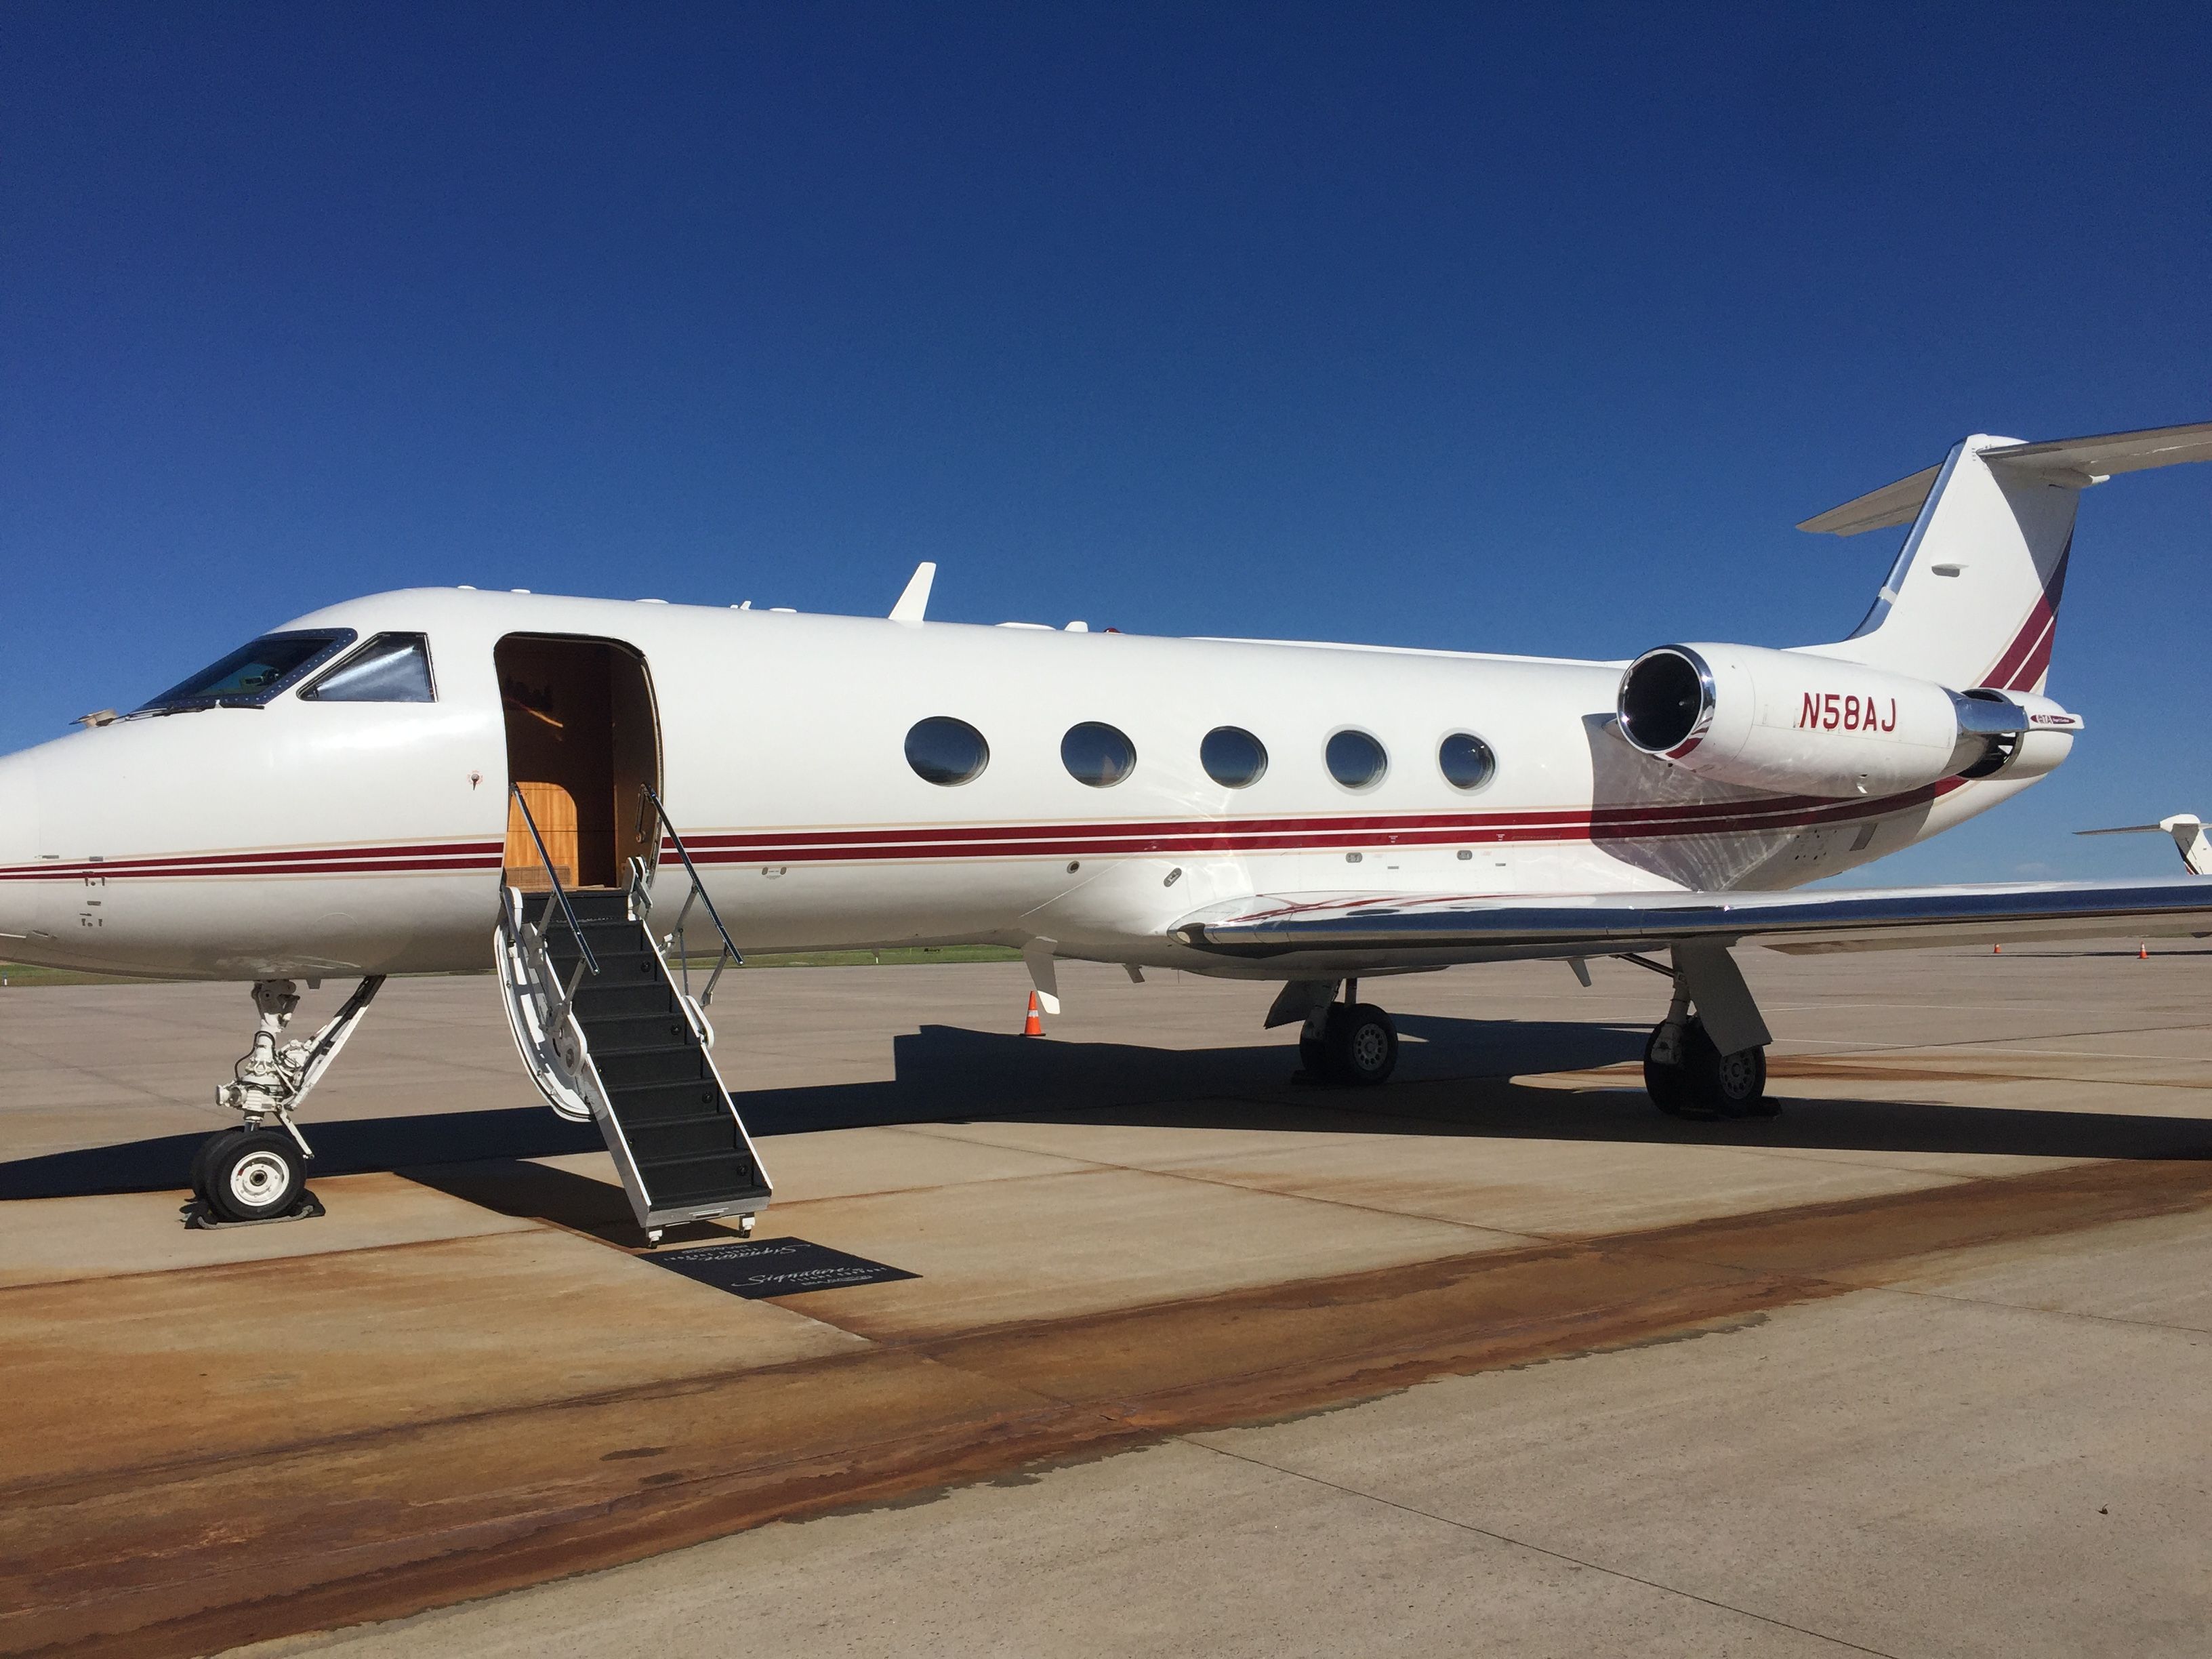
(256,1173)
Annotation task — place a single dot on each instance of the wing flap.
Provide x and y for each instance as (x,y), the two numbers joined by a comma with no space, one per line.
(1428,930)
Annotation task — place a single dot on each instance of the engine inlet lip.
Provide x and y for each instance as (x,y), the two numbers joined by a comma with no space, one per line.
(1662,732)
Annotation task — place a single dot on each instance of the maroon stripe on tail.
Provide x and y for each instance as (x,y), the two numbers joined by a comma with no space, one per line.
(2018,667)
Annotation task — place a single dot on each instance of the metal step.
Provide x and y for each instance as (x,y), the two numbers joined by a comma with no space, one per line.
(654,1144)
(667,1102)
(623,1069)
(597,1002)
(615,1033)
(706,1179)
(617,966)
(600,903)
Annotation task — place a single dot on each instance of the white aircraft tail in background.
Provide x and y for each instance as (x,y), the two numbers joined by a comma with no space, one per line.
(2187,830)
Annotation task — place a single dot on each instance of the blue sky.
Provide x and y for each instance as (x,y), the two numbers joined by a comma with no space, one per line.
(1433,325)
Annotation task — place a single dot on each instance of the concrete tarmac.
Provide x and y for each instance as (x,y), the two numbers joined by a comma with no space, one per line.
(1196,1360)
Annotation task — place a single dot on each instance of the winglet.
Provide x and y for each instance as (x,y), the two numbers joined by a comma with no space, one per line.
(915,600)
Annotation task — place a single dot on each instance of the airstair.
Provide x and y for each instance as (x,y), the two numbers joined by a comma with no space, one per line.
(612,1033)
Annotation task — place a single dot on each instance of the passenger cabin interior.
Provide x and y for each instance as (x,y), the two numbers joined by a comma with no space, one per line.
(582,741)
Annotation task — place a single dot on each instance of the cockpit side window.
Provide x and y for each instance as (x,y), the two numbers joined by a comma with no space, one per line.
(250,676)
(390,668)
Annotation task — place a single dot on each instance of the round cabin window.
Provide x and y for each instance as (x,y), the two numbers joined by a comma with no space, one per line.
(1233,757)
(1096,754)
(1356,760)
(942,749)
(1466,761)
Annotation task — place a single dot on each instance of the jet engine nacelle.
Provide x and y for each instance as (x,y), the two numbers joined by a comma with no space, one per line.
(1800,724)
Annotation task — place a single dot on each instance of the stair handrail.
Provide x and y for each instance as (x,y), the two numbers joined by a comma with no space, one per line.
(698,894)
(585,959)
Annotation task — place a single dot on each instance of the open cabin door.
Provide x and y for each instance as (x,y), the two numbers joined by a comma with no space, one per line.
(583,744)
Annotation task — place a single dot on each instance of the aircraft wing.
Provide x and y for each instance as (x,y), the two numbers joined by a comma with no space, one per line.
(1431,930)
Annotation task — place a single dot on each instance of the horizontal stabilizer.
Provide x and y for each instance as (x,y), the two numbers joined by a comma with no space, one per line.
(1878,509)
(2081,460)
(2070,461)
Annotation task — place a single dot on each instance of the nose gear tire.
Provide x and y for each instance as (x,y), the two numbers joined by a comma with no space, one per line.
(201,1155)
(251,1176)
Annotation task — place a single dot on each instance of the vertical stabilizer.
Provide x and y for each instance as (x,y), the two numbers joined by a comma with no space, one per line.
(2188,833)
(1973,597)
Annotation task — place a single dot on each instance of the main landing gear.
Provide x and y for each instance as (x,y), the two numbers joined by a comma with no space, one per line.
(1687,1072)
(254,1172)
(1350,1043)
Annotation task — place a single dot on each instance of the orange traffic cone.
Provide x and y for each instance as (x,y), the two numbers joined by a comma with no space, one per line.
(2142,953)
(1033,1026)
(1996,950)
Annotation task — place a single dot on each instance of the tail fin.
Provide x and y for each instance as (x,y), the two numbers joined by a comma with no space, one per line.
(2189,836)
(1973,597)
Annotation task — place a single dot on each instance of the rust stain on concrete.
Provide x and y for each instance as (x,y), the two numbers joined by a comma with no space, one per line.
(1808,1066)
(140,1552)
(1974,1069)
(1920,1068)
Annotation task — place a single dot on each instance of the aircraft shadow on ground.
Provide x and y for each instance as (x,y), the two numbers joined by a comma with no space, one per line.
(1456,1077)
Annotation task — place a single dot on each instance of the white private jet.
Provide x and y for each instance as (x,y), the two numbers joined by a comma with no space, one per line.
(584,795)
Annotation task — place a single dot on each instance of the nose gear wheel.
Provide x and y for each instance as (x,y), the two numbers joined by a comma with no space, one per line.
(245,1175)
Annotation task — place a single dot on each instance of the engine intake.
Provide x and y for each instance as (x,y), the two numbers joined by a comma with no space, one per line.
(1796,723)
(1667,697)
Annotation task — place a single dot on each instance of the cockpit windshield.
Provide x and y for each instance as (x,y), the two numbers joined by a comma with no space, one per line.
(250,676)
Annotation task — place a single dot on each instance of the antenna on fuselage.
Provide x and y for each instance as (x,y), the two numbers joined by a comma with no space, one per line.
(915,600)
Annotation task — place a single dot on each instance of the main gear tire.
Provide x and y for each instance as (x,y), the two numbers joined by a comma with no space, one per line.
(1726,1085)
(1362,1044)
(1669,1089)
(1706,1084)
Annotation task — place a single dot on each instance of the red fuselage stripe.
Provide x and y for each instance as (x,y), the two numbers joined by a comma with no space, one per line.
(365,863)
(1611,824)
